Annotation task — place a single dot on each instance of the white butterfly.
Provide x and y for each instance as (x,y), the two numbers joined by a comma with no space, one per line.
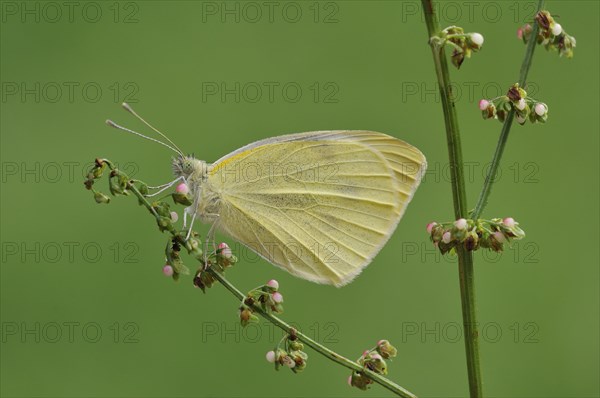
(320,204)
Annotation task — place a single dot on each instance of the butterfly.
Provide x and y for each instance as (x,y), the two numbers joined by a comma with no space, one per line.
(318,204)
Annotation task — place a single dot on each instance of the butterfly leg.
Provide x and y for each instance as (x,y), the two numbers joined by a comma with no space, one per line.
(189,233)
(210,238)
(163,187)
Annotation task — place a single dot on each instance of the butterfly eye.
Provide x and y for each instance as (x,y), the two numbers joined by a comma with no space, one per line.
(188,167)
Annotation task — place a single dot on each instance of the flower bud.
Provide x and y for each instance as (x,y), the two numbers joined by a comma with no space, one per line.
(224,250)
(168,270)
(270,356)
(540,109)
(99,197)
(489,112)
(509,222)
(360,381)
(182,199)
(447,237)
(296,345)
(461,224)
(288,361)
(430,227)
(277,297)
(556,29)
(477,39)
(386,350)
(273,284)
(483,104)
(376,364)
(246,316)
(174,216)
(521,104)
(182,189)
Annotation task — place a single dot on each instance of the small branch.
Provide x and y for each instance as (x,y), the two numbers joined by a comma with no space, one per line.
(493,169)
(321,349)
(465,258)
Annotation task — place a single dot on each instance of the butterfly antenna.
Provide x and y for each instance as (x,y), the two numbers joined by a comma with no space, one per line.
(129,109)
(115,125)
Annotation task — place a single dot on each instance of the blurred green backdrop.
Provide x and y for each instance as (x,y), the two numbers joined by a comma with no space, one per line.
(85,310)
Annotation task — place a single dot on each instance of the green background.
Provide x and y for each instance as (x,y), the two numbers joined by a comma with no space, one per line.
(537,303)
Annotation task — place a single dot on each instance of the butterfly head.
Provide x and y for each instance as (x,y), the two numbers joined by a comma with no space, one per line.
(189,167)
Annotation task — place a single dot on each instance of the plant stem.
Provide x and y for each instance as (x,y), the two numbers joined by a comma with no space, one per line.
(321,349)
(491,175)
(465,258)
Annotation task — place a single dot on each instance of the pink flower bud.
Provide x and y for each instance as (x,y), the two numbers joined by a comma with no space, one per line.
(509,222)
(174,216)
(225,250)
(270,356)
(461,223)
(541,109)
(499,236)
(447,237)
(521,104)
(168,270)
(380,342)
(520,33)
(483,104)
(430,227)
(350,380)
(182,188)
(273,284)
(365,353)
(277,297)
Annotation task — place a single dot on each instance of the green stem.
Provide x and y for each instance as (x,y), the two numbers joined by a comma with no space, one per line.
(491,174)
(465,258)
(321,349)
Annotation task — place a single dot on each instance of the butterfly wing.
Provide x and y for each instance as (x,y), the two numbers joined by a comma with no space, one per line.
(320,205)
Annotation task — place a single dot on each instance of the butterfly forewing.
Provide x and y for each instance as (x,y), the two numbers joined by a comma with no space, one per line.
(320,205)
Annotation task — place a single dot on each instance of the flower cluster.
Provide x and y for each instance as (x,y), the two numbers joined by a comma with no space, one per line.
(374,360)
(463,43)
(474,234)
(551,35)
(290,355)
(266,297)
(526,108)
(220,259)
